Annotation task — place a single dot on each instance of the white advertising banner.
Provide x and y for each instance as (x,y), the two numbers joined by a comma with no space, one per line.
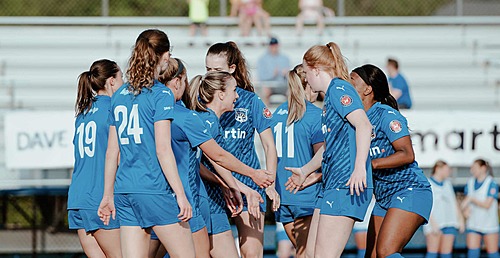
(39,139)
(457,137)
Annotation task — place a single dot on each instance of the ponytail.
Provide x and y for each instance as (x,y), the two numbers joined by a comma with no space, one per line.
(234,57)
(375,77)
(296,95)
(340,66)
(194,88)
(92,81)
(149,48)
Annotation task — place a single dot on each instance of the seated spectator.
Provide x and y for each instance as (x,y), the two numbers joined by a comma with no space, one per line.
(272,69)
(310,10)
(198,14)
(398,85)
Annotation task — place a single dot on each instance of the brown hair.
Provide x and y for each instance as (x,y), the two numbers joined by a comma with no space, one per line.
(438,164)
(327,58)
(484,163)
(149,47)
(234,56)
(90,82)
(393,62)
(202,88)
(296,94)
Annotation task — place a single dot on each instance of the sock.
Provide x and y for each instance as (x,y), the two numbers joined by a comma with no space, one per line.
(431,255)
(361,253)
(493,255)
(448,255)
(395,255)
(473,253)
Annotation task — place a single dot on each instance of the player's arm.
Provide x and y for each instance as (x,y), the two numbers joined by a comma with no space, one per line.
(403,155)
(169,166)
(225,159)
(313,178)
(106,208)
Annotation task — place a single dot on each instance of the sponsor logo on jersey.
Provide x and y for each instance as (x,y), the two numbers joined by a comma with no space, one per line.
(241,114)
(167,108)
(93,110)
(375,151)
(210,124)
(125,91)
(391,112)
(340,88)
(395,126)
(235,134)
(346,100)
(167,92)
(267,113)
(282,112)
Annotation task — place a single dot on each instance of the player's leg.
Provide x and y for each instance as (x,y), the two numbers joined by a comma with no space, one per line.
(301,229)
(109,241)
(89,244)
(446,243)
(290,232)
(433,241)
(491,243)
(222,245)
(373,233)
(177,239)
(333,233)
(360,239)
(251,235)
(473,241)
(134,241)
(201,243)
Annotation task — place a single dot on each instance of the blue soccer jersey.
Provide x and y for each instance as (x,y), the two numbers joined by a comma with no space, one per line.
(188,132)
(216,199)
(294,145)
(340,136)
(239,126)
(90,144)
(388,126)
(134,117)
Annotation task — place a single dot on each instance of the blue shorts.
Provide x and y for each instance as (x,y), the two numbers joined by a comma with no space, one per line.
(219,223)
(418,201)
(288,213)
(340,202)
(262,205)
(449,231)
(319,201)
(146,210)
(205,212)
(89,220)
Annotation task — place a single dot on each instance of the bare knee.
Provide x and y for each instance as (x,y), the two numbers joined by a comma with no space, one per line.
(252,253)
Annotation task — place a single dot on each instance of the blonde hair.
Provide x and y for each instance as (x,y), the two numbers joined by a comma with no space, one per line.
(148,49)
(202,88)
(296,94)
(329,59)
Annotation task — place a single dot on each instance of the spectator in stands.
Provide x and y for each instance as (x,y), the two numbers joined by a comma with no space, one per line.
(198,14)
(446,219)
(360,230)
(272,68)
(480,207)
(95,88)
(310,10)
(398,85)
(250,12)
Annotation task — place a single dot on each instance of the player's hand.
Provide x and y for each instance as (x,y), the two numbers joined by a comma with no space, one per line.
(233,199)
(274,196)
(297,179)
(262,178)
(357,182)
(106,209)
(186,211)
(253,203)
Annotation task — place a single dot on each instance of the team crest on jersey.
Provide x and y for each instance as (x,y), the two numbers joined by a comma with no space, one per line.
(267,113)
(346,100)
(241,114)
(395,126)
(493,191)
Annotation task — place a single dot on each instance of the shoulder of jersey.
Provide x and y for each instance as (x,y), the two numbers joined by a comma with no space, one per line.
(281,110)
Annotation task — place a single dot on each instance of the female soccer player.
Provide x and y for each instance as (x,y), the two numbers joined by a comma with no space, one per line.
(347,181)
(481,210)
(446,217)
(297,130)
(239,126)
(403,194)
(95,88)
(148,191)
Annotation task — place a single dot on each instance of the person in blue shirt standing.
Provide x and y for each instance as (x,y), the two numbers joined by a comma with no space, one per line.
(95,88)
(403,194)
(297,130)
(145,187)
(398,85)
(480,207)
(347,181)
(272,68)
(249,114)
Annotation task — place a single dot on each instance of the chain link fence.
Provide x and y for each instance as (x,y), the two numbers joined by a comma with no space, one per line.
(221,7)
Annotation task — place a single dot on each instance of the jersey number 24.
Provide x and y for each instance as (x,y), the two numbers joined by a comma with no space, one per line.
(130,122)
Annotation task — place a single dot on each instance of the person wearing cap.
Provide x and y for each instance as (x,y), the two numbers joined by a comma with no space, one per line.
(272,68)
